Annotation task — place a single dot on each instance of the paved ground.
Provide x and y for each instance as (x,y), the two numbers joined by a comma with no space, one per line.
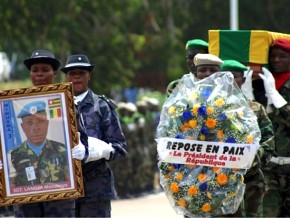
(148,206)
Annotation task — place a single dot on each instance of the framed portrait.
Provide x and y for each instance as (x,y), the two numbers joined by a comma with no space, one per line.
(38,128)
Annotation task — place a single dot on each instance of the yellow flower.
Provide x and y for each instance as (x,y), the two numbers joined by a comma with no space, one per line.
(174,187)
(202,137)
(206,208)
(210,110)
(178,176)
(210,123)
(195,109)
(220,134)
(222,179)
(192,97)
(250,139)
(219,102)
(182,203)
(171,110)
(193,124)
(240,114)
(209,195)
(231,195)
(192,190)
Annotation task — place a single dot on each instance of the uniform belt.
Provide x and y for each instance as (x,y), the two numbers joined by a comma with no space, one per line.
(280,160)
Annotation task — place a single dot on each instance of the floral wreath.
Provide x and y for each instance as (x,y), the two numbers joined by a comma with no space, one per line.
(214,110)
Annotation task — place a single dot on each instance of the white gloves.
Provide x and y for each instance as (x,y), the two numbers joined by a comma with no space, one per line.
(272,94)
(79,151)
(97,148)
(1,164)
(247,87)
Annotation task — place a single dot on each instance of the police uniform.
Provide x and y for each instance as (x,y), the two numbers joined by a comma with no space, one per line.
(56,208)
(256,186)
(101,122)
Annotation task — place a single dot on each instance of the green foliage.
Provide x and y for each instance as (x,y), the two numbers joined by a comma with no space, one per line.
(130,42)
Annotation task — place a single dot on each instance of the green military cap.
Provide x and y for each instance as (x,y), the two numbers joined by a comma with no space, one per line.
(196,44)
(232,65)
(32,108)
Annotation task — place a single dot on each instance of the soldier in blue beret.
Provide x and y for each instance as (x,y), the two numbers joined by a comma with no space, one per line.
(37,160)
(105,142)
(256,185)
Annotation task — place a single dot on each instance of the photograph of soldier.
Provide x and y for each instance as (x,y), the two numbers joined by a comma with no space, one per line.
(37,160)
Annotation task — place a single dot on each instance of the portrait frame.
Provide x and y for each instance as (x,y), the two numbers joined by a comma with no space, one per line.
(57,177)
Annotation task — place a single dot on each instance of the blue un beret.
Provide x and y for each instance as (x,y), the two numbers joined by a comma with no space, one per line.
(32,108)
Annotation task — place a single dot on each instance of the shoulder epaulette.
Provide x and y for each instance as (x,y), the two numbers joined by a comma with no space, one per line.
(109,101)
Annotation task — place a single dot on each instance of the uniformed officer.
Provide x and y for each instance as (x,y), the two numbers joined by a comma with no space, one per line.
(37,160)
(43,67)
(106,141)
(256,186)
(192,48)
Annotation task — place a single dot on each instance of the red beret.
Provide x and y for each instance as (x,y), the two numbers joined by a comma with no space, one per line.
(282,43)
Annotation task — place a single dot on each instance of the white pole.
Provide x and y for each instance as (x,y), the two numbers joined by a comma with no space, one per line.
(234,15)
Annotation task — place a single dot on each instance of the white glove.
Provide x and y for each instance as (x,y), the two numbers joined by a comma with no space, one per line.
(247,87)
(79,151)
(272,94)
(1,164)
(98,149)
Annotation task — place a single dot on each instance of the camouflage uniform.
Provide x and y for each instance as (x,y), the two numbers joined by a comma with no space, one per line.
(102,122)
(277,200)
(256,186)
(50,166)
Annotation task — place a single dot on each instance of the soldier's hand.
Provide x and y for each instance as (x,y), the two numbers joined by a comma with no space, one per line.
(79,151)
(272,94)
(247,87)
(98,149)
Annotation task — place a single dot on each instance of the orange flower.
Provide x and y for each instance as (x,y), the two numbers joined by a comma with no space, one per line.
(190,166)
(206,208)
(178,176)
(192,190)
(185,127)
(193,124)
(201,177)
(217,170)
(182,203)
(171,167)
(195,108)
(210,123)
(210,110)
(250,139)
(174,187)
(222,179)
(219,102)
(220,134)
